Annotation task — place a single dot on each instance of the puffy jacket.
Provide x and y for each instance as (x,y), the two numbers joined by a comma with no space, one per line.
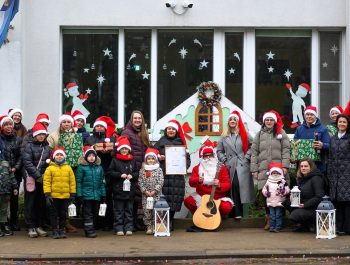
(7,179)
(59,181)
(31,157)
(84,134)
(116,169)
(278,192)
(12,150)
(90,180)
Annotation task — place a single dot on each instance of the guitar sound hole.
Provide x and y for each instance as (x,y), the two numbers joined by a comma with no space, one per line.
(210,205)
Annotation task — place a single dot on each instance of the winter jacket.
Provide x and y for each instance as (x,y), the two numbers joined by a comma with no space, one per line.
(20,130)
(90,180)
(31,157)
(115,171)
(311,189)
(275,192)
(201,189)
(12,150)
(59,181)
(7,179)
(84,134)
(305,132)
(339,168)
(137,146)
(151,183)
(266,148)
(28,138)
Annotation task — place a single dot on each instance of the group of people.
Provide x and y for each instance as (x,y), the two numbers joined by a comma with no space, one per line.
(124,171)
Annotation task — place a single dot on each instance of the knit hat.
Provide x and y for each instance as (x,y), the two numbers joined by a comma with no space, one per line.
(207,148)
(338,109)
(177,126)
(11,112)
(58,150)
(123,142)
(4,119)
(272,114)
(107,123)
(152,152)
(242,130)
(43,117)
(78,115)
(311,109)
(275,167)
(66,117)
(38,128)
(88,150)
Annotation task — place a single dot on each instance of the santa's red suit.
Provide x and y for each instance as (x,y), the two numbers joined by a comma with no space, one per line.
(192,202)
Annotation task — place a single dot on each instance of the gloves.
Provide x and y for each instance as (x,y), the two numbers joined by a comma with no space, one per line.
(103,199)
(49,200)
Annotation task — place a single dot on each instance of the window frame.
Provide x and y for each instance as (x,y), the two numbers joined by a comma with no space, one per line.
(208,114)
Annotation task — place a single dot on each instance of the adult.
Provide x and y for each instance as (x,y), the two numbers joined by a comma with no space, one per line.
(339,173)
(136,131)
(17,114)
(174,185)
(333,113)
(203,180)
(271,144)
(80,122)
(234,151)
(310,183)
(309,129)
(12,154)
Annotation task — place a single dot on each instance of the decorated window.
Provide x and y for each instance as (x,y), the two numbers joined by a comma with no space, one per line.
(90,73)
(330,69)
(185,59)
(234,67)
(138,72)
(283,74)
(208,120)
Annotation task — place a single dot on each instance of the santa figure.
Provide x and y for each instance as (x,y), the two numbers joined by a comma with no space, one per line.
(72,90)
(298,103)
(203,180)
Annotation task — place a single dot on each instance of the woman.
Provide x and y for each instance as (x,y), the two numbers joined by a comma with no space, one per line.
(271,144)
(310,183)
(17,115)
(339,173)
(333,113)
(174,185)
(234,151)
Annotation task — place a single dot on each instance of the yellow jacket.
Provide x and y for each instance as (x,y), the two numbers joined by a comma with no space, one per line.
(59,181)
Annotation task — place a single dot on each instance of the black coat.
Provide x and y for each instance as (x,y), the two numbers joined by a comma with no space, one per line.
(31,157)
(339,168)
(174,185)
(12,153)
(115,171)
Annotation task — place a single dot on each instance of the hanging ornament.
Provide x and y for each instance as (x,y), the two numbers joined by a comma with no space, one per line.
(200,67)
(93,66)
(75,53)
(110,57)
(128,67)
(165,66)
(146,56)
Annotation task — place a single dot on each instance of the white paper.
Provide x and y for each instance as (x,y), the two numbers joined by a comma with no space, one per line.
(175,160)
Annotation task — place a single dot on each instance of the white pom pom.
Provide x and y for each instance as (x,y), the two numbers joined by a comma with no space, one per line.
(116,144)
(107,140)
(48,161)
(279,136)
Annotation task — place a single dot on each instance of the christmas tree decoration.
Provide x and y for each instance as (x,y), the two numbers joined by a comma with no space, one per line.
(165,66)
(106,52)
(75,53)
(196,41)
(128,67)
(146,56)
(173,41)
(209,93)
(183,52)
(334,49)
(237,56)
(270,55)
(288,74)
(93,67)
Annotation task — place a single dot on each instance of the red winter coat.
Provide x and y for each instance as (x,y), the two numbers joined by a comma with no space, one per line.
(201,189)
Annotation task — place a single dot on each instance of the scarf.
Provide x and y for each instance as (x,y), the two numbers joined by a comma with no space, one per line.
(127,157)
(151,167)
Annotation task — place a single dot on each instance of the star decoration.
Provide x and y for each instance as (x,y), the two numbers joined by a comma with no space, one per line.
(88,91)
(196,41)
(271,69)
(232,71)
(183,52)
(203,63)
(107,52)
(86,70)
(145,75)
(172,73)
(334,49)
(237,56)
(172,42)
(325,65)
(270,55)
(132,56)
(288,74)
(100,79)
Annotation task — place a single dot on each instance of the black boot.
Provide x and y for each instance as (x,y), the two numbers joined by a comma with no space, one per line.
(62,233)
(55,234)
(90,231)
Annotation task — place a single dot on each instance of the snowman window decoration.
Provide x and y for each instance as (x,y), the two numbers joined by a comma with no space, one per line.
(76,99)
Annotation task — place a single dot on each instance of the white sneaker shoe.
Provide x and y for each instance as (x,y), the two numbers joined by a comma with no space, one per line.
(120,233)
(128,233)
(32,233)
(41,232)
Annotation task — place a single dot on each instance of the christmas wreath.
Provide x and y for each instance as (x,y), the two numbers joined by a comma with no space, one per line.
(203,91)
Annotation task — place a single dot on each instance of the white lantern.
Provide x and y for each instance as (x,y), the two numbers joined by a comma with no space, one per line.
(325,219)
(295,197)
(149,203)
(72,210)
(161,217)
(102,210)
(126,185)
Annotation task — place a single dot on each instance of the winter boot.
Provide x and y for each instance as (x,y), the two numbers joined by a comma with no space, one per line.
(6,230)
(267,222)
(55,234)
(90,234)
(62,233)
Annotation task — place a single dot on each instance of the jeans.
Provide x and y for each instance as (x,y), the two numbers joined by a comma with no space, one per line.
(276,217)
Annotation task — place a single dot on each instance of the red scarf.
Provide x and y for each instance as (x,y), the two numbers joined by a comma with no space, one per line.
(127,157)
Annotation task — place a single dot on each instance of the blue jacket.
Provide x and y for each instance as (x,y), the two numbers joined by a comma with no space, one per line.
(306,132)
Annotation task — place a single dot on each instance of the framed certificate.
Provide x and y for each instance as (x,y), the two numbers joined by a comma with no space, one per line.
(175,160)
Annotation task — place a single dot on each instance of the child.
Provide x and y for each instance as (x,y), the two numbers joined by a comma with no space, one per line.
(275,191)
(123,168)
(59,189)
(90,188)
(151,183)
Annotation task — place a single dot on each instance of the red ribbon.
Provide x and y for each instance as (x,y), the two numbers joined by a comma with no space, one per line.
(187,129)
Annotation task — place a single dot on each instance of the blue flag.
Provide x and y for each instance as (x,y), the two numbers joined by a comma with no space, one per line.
(11,7)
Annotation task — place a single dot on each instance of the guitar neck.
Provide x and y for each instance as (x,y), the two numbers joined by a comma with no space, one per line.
(218,168)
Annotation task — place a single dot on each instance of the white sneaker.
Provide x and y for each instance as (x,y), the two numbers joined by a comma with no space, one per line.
(149,231)
(32,233)
(128,233)
(41,232)
(120,233)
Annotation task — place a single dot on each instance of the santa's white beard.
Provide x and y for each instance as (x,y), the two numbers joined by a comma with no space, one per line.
(207,169)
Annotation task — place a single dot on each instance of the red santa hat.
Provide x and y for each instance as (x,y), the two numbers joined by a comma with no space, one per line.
(207,148)
(152,152)
(4,119)
(77,114)
(311,109)
(71,85)
(66,117)
(242,130)
(305,86)
(338,109)
(58,150)
(38,128)
(88,150)
(272,114)
(107,123)
(43,117)
(275,167)
(123,142)
(177,126)
(347,109)
(11,112)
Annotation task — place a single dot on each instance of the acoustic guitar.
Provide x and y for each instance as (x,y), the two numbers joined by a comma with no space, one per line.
(207,216)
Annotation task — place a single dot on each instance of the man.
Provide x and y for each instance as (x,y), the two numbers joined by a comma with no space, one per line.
(203,179)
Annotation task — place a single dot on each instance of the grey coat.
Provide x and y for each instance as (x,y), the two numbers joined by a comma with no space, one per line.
(267,148)
(230,152)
